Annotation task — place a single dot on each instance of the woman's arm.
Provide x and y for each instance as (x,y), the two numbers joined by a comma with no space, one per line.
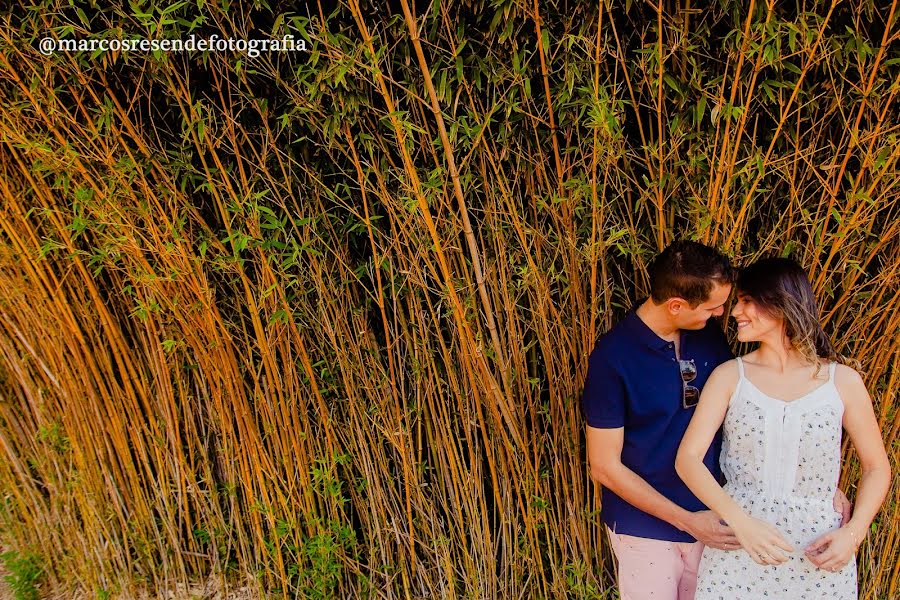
(761,541)
(835,549)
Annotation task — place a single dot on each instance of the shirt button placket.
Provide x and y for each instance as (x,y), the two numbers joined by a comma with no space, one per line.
(782,450)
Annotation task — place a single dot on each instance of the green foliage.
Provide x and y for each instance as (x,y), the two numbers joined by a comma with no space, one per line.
(25,573)
(325,553)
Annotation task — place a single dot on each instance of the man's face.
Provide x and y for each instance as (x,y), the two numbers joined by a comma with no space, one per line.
(686,317)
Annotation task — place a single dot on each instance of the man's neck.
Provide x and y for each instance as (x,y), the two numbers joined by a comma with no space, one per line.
(657,318)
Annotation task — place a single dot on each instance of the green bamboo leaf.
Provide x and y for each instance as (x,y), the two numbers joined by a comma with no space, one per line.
(83,17)
(172,8)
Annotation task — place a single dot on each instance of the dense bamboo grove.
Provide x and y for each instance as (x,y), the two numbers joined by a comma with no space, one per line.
(320,320)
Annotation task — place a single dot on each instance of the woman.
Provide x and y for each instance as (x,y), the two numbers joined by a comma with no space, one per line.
(782,408)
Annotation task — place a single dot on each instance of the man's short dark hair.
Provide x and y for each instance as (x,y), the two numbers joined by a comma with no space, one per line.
(688,270)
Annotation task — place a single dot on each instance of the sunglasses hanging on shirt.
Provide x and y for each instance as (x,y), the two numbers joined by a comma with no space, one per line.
(690,395)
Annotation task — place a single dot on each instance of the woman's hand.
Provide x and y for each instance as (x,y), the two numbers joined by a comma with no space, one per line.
(764,543)
(833,550)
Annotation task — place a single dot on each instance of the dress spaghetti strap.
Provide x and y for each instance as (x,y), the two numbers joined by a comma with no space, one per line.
(740,364)
(831,368)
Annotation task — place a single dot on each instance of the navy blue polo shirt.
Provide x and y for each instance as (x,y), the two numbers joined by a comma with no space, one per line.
(633,381)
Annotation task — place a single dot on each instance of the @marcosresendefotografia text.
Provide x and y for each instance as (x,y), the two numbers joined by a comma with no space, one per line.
(213,43)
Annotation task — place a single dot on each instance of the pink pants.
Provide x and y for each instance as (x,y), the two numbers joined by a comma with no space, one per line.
(655,569)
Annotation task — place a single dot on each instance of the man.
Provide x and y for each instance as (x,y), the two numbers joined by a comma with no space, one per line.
(643,381)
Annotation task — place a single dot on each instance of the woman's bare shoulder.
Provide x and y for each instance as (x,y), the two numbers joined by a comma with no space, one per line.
(846,377)
(852,389)
(726,374)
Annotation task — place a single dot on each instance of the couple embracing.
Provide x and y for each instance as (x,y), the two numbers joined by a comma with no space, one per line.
(720,474)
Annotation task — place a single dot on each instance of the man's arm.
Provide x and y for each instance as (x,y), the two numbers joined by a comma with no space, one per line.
(604,449)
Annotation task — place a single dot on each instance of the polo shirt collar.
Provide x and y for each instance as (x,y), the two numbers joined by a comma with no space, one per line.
(643,333)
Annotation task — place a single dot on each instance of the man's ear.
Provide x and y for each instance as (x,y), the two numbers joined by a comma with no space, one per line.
(675,305)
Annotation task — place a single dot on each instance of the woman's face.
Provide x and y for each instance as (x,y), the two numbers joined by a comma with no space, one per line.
(753,323)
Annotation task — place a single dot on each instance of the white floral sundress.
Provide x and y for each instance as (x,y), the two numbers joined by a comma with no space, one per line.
(782,462)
